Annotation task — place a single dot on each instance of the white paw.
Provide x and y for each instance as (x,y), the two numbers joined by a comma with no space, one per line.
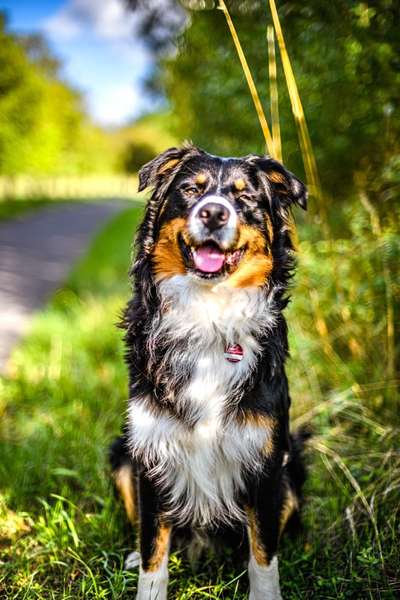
(132,561)
(264,580)
(153,585)
(266,596)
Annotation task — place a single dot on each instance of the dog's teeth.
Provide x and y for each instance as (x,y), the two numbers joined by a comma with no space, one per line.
(132,561)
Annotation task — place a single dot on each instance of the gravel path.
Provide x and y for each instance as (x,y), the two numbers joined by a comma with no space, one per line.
(37,251)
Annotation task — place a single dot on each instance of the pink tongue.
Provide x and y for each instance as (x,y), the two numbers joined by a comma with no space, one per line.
(208,259)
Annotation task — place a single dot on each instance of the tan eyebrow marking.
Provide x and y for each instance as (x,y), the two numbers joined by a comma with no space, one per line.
(201,178)
(239,184)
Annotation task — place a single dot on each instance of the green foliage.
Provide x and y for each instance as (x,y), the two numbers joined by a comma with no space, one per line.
(136,155)
(345,58)
(19,103)
(64,534)
(44,129)
(55,137)
(40,117)
(14,208)
(138,143)
(346,289)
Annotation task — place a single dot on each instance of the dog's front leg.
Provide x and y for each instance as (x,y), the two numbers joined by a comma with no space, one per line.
(154,544)
(264,529)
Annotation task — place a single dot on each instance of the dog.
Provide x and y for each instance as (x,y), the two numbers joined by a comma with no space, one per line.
(206,448)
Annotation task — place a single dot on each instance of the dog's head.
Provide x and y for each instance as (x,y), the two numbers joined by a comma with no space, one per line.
(216,219)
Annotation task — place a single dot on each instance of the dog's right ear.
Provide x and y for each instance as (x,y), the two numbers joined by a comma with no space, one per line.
(286,186)
(164,165)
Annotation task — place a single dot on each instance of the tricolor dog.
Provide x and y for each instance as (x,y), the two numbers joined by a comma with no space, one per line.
(206,449)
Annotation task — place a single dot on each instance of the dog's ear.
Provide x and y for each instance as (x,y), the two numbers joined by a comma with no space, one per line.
(164,165)
(282,182)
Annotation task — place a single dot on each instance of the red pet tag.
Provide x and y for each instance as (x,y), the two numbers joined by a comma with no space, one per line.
(233,353)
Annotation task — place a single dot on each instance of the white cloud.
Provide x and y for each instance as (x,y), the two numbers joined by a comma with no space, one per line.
(115,105)
(103,56)
(109,19)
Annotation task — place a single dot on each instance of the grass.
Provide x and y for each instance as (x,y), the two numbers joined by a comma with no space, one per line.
(9,209)
(16,207)
(63,534)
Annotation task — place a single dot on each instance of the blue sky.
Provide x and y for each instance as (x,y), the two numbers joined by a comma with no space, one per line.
(95,40)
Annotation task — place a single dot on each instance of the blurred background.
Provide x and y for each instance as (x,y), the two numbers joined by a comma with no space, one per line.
(89,91)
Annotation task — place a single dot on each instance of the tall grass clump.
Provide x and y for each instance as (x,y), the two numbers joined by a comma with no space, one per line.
(342,386)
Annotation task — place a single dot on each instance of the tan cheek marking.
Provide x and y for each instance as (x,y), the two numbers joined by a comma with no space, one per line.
(160,547)
(125,484)
(239,184)
(201,178)
(257,549)
(256,265)
(167,257)
(170,164)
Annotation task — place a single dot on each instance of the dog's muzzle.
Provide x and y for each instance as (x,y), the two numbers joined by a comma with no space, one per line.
(213,218)
(213,232)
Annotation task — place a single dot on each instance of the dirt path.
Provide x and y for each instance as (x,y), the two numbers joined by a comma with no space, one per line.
(37,251)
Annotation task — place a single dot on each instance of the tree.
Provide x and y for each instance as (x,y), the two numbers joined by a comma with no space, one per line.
(346,60)
(20,95)
(44,129)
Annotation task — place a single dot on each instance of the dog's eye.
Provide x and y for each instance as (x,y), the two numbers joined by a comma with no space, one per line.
(190,190)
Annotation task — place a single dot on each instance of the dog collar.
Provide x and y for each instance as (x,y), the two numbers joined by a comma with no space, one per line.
(233,353)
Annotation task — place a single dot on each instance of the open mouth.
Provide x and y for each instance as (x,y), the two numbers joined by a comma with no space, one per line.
(209,261)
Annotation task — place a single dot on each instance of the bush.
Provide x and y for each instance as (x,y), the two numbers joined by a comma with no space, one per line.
(135,155)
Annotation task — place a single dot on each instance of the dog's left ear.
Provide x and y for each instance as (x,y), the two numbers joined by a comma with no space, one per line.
(282,182)
(165,164)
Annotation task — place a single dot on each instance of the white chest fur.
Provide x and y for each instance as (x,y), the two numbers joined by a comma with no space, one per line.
(201,468)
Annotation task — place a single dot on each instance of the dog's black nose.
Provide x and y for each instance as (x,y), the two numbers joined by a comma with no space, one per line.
(214,215)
